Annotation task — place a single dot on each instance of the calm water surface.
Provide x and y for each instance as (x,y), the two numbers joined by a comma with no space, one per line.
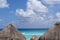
(30,32)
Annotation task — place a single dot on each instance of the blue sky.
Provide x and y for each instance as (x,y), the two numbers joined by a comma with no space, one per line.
(29,13)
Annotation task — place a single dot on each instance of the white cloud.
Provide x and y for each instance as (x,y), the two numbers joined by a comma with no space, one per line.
(36,6)
(28,13)
(52,1)
(3,4)
(33,7)
(58,14)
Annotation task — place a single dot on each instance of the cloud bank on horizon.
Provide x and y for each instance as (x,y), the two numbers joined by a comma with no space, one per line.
(29,13)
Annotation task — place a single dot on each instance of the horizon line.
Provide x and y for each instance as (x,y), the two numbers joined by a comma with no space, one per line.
(30,28)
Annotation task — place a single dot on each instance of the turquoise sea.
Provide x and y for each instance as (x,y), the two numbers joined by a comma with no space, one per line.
(28,33)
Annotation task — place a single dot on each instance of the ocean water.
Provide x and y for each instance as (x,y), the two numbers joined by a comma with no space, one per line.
(28,33)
